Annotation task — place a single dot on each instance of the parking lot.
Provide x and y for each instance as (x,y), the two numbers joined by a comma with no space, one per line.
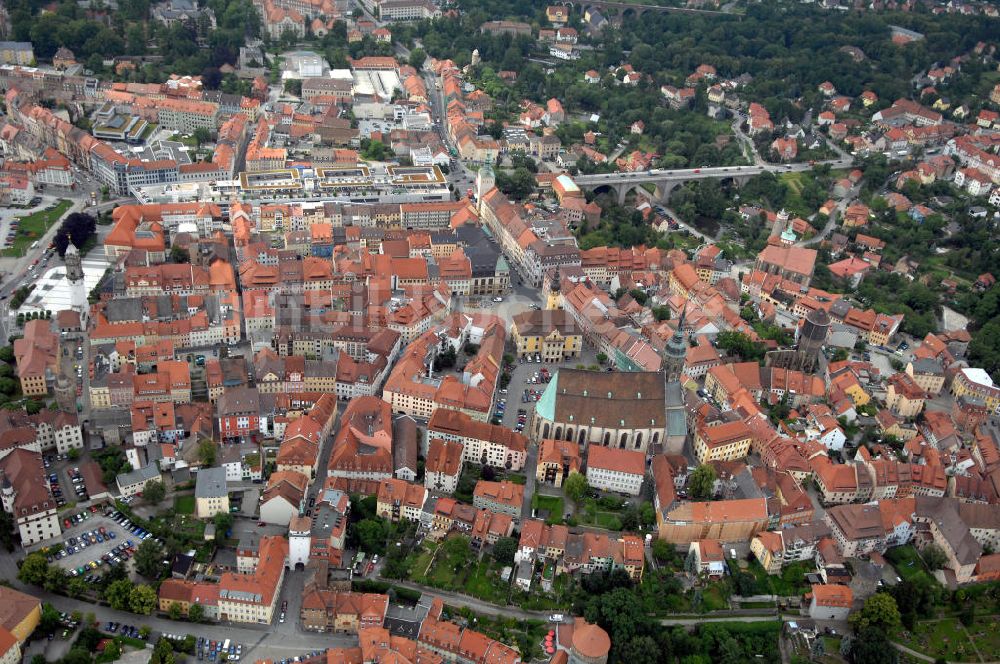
(91,543)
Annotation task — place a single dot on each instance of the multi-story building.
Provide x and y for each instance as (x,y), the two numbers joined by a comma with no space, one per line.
(400,500)
(553,335)
(484,444)
(499,497)
(443,465)
(904,397)
(253,596)
(210,493)
(37,357)
(722,442)
(976,383)
(325,610)
(186,115)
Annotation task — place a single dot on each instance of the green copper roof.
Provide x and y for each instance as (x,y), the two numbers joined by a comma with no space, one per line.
(545,408)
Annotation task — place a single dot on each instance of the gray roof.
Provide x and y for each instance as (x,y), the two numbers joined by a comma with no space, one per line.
(148,472)
(211,483)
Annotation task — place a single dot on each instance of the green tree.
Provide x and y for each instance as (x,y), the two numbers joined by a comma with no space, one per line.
(49,620)
(55,579)
(196,613)
(154,492)
(34,569)
(118,593)
(73,454)
(871,645)
(142,600)
(504,550)
(77,587)
(602,358)
(701,483)
(149,559)
(371,535)
(76,655)
(8,533)
(576,487)
(7,354)
(934,557)
(662,550)
(223,522)
(175,612)
(201,135)
(179,254)
(417,58)
(880,611)
(206,452)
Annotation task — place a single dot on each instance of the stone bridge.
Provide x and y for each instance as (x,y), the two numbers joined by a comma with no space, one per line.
(658,183)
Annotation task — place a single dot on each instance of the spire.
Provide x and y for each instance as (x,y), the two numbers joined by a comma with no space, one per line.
(556,279)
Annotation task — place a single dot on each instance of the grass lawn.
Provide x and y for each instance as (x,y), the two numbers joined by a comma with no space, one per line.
(909,565)
(34,226)
(184,504)
(714,599)
(483,581)
(551,504)
(945,638)
(608,520)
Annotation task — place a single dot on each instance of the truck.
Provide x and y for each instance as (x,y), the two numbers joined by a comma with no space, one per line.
(225,645)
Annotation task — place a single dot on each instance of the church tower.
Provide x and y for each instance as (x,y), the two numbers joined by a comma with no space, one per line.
(77,284)
(675,352)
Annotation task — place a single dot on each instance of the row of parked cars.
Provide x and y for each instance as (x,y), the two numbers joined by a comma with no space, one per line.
(213,650)
(130,631)
(130,527)
(88,538)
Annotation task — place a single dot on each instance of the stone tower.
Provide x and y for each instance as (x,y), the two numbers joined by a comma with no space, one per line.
(78,287)
(7,494)
(553,294)
(486,179)
(475,58)
(812,336)
(65,393)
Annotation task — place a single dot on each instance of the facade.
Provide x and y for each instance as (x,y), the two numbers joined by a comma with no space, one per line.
(326,610)
(618,470)
(484,444)
(24,491)
(722,442)
(556,460)
(21,613)
(830,602)
(552,334)
(723,520)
